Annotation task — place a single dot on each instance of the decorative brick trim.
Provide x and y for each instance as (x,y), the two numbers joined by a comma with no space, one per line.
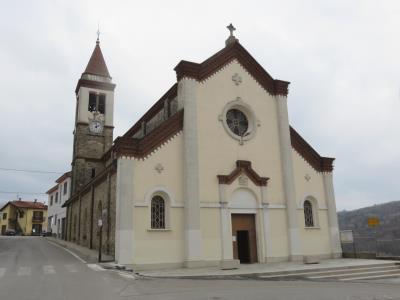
(243,166)
(140,148)
(319,163)
(223,57)
(159,105)
(94,84)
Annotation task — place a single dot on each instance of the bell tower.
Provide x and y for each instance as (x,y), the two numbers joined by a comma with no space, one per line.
(93,132)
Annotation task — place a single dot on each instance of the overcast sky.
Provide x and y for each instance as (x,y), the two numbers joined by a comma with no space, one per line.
(341,57)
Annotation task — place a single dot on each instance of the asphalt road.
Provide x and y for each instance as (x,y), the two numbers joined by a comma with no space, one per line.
(31,268)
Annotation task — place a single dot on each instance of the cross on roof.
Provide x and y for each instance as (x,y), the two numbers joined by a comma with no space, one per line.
(231,29)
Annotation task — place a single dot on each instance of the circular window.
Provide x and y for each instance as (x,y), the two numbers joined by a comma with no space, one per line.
(237,122)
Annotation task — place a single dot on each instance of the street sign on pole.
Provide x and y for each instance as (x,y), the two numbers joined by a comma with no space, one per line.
(373,222)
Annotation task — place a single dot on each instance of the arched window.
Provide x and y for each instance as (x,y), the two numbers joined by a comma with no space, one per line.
(157,213)
(308,214)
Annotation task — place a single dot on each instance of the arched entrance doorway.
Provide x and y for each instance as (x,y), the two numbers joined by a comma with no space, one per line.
(244,242)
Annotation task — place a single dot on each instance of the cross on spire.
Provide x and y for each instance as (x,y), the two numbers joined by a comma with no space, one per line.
(98,34)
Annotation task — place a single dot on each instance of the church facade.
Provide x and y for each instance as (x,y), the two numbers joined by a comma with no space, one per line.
(211,175)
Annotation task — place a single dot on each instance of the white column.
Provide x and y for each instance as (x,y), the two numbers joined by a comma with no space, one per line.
(124,231)
(266,223)
(227,261)
(288,178)
(332,215)
(187,96)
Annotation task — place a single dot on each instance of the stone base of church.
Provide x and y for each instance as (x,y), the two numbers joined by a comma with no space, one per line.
(296,258)
(276,259)
(228,264)
(194,264)
(337,255)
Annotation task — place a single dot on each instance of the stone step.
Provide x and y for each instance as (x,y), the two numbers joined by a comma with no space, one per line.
(383,276)
(366,272)
(327,271)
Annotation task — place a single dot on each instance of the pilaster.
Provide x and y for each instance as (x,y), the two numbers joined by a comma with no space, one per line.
(288,177)
(227,261)
(332,215)
(187,96)
(124,227)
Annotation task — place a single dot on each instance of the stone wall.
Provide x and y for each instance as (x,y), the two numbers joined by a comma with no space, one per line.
(83,213)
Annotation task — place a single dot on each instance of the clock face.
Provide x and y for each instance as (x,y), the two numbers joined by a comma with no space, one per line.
(96,127)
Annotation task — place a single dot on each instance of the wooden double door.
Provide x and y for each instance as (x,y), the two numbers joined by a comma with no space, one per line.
(244,238)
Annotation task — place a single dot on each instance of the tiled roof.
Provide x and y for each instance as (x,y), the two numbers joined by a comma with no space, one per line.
(29,204)
(97,64)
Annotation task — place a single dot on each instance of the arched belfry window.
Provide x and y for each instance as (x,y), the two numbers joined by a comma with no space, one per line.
(157,213)
(308,214)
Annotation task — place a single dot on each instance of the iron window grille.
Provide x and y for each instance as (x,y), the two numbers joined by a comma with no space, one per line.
(308,214)
(157,213)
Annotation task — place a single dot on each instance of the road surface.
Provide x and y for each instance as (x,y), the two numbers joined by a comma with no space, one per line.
(31,268)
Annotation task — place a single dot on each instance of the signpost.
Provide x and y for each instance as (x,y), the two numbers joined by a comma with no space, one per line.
(100,225)
(373,222)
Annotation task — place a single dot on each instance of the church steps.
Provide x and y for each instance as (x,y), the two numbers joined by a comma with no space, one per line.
(330,271)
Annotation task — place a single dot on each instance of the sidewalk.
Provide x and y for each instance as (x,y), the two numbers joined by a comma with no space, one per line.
(86,254)
(267,269)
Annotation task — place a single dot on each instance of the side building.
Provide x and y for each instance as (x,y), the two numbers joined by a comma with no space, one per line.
(24,217)
(58,194)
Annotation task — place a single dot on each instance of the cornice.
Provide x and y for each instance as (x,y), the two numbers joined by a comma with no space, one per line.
(243,166)
(319,163)
(140,148)
(233,51)
(94,84)
(170,94)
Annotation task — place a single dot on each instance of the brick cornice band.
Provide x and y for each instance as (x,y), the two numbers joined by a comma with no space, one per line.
(226,55)
(243,166)
(319,163)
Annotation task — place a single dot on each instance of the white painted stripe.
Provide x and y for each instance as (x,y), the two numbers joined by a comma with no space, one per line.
(24,271)
(48,269)
(69,251)
(351,274)
(95,267)
(71,268)
(2,272)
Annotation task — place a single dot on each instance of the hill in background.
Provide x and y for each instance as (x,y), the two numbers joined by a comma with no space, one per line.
(387,213)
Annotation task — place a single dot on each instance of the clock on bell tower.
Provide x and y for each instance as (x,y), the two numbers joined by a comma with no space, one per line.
(93,132)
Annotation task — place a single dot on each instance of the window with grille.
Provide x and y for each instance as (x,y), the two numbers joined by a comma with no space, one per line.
(308,214)
(157,213)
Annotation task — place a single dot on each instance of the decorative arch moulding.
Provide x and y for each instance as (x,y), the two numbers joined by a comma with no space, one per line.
(243,166)
(233,51)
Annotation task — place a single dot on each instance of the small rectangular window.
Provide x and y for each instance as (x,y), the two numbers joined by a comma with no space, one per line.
(65,188)
(4,216)
(102,104)
(56,197)
(51,200)
(92,102)
(93,172)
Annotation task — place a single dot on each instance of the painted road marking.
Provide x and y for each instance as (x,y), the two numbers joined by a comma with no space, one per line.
(48,269)
(95,267)
(24,271)
(2,271)
(71,268)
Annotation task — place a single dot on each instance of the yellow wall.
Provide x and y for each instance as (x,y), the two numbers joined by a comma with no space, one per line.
(25,222)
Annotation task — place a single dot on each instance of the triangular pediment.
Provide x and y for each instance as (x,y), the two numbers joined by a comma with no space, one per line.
(243,167)
(201,71)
